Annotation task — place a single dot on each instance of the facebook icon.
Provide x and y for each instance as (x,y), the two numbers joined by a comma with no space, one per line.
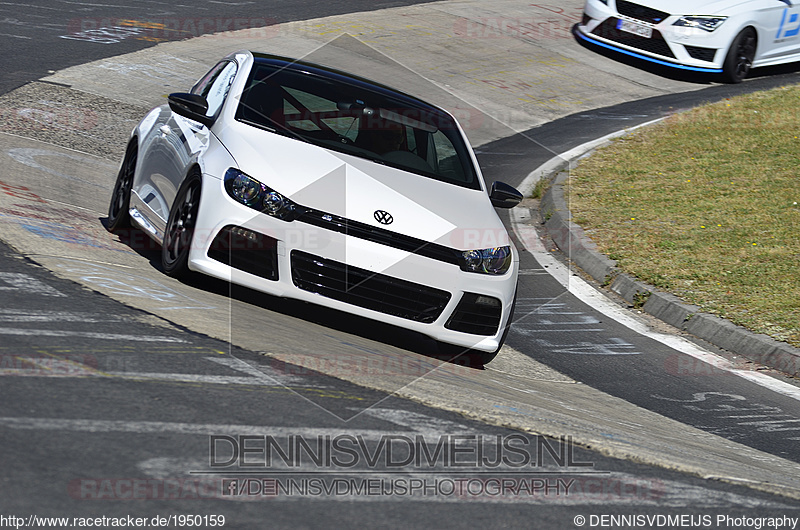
(230,486)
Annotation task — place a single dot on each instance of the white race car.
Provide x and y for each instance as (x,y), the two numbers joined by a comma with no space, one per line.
(727,37)
(310,183)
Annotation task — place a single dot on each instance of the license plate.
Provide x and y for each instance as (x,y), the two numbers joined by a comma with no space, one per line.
(636,29)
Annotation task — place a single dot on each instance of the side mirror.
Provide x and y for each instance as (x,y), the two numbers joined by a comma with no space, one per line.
(190,106)
(504,196)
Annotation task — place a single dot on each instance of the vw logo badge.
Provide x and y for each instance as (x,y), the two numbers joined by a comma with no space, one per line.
(383,217)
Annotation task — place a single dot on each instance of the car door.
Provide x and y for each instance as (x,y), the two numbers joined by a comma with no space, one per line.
(780,24)
(174,143)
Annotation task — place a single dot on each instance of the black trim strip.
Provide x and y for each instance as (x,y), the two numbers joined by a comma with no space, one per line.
(342,225)
(381,236)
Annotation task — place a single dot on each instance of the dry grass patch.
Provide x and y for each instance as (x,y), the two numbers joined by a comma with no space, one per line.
(705,205)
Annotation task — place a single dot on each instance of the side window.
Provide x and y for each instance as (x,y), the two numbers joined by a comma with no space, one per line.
(214,86)
(442,156)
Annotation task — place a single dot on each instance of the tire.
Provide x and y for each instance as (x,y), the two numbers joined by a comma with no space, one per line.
(180,229)
(507,328)
(464,356)
(118,215)
(740,56)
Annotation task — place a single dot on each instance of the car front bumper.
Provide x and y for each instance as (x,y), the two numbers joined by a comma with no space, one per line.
(305,262)
(677,47)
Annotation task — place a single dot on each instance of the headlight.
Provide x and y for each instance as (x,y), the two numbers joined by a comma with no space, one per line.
(248,191)
(274,202)
(245,190)
(487,261)
(706,23)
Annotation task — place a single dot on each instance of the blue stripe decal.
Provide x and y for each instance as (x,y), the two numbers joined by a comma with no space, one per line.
(646,58)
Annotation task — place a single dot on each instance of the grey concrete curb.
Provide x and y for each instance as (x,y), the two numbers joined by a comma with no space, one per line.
(582,251)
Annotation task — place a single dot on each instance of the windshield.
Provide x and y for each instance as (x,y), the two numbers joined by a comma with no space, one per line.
(353,119)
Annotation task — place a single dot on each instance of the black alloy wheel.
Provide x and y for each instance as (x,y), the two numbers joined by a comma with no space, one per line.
(118,215)
(740,57)
(180,229)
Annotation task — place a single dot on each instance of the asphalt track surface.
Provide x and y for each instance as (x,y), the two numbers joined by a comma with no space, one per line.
(106,372)
(40,37)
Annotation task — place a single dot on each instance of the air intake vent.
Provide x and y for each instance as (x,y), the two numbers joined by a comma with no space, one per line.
(476,314)
(246,250)
(640,12)
(701,54)
(367,289)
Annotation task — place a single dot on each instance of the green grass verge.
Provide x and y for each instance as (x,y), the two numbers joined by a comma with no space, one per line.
(705,205)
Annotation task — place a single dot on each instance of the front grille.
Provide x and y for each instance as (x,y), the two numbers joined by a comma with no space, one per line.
(367,289)
(701,54)
(476,314)
(246,250)
(639,12)
(656,44)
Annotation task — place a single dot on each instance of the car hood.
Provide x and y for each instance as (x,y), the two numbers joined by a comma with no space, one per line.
(692,7)
(355,188)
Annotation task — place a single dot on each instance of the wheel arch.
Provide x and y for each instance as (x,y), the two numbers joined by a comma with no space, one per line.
(752,26)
